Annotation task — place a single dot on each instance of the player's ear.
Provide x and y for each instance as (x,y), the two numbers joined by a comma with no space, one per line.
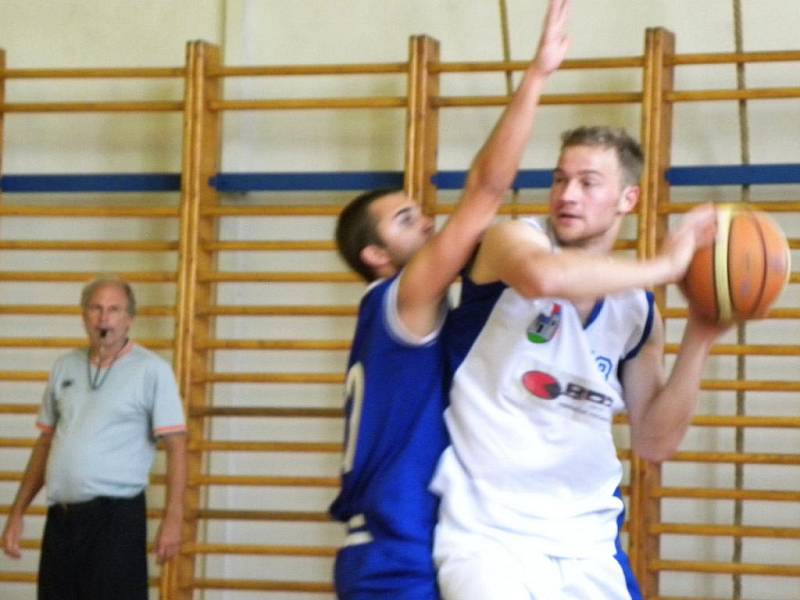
(375,256)
(628,199)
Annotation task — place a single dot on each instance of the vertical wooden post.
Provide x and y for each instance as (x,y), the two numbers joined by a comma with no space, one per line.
(2,112)
(422,126)
(201,130)
(656,144)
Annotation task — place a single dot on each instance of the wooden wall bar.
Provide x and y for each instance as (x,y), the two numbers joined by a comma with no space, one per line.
(220,300)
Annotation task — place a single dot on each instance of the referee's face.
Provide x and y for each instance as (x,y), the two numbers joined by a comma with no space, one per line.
(106,318)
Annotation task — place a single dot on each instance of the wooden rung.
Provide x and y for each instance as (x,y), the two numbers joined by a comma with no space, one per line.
(17,577)
(256,550)
(309,103)
(273,345)
(726,494)
(277,277)
(725,568)
(250,446)
(95,73)
(745,421)
(552,100)
(300,70)
(264,411)
(265,481)
(270,211)
(260,585)
(91,107)
(155,212)
(118,246)
(281,246)
(283,311)
(745,349)
(744,94)
(750,385)
(736,531)
(23,375)
(735,57)
(742,458)
(60,276)
(17,442)
(337,378)
(19,409)
(261,515)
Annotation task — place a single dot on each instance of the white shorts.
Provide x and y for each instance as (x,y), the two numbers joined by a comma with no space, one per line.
(488,570)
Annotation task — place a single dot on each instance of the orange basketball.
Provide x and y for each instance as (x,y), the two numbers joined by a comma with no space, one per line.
(743,272)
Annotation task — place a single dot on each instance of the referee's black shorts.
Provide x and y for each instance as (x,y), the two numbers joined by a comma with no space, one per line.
(95,550)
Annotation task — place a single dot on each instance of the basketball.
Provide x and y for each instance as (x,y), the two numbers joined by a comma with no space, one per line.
(742,274)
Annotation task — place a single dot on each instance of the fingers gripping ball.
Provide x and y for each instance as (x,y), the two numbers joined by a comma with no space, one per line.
(741,275)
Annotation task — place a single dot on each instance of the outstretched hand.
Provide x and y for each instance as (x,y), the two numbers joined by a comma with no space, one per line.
(554,42)
(696,230)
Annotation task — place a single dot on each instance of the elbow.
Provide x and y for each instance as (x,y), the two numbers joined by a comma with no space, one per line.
(481,181)
(656,455)
(656,451)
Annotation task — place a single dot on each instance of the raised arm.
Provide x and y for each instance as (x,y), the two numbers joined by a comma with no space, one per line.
(426,278)
(32,482)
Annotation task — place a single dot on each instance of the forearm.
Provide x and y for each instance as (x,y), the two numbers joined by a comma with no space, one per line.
(175,477)
(33,478)
(668,416)
(576,275)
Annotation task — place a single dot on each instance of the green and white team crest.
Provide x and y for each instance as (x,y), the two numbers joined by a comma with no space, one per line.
(544,326)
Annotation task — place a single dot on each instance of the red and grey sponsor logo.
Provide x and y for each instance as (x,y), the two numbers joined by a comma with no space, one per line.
(545,386)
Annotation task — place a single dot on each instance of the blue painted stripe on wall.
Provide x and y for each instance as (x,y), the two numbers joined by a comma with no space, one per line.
(358,181)
(93,182)
(318,181)
(734,175)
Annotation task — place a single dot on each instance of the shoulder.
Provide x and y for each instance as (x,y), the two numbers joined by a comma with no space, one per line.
(151,361)
(73,358)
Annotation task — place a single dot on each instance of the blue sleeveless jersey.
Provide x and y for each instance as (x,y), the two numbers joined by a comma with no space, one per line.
(394,436)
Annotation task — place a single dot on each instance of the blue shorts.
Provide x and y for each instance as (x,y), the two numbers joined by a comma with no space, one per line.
(385,570)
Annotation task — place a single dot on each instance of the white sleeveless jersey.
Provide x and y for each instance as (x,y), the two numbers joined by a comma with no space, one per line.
(532,459)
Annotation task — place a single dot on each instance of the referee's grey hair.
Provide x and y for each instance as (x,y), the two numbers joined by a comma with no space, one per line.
(108,281)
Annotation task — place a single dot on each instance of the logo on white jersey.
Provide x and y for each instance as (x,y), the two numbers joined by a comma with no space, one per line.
(545,386)
(544,326)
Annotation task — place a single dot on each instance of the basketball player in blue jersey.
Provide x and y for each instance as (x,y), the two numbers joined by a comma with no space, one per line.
(395,394)
(552,338)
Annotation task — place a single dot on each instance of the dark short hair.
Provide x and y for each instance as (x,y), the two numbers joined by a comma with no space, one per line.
(628,151)
(356,229)
(108,281)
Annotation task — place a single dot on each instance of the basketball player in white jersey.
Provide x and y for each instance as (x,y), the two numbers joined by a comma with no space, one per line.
(395,392)
(552,338)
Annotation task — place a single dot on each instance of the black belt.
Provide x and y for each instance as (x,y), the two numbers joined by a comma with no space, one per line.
(76,507)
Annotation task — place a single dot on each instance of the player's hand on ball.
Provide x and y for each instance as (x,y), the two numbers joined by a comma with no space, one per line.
(695,231)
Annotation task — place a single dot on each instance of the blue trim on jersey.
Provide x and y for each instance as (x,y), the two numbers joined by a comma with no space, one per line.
(622,557)
(598,306)
(648,327)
